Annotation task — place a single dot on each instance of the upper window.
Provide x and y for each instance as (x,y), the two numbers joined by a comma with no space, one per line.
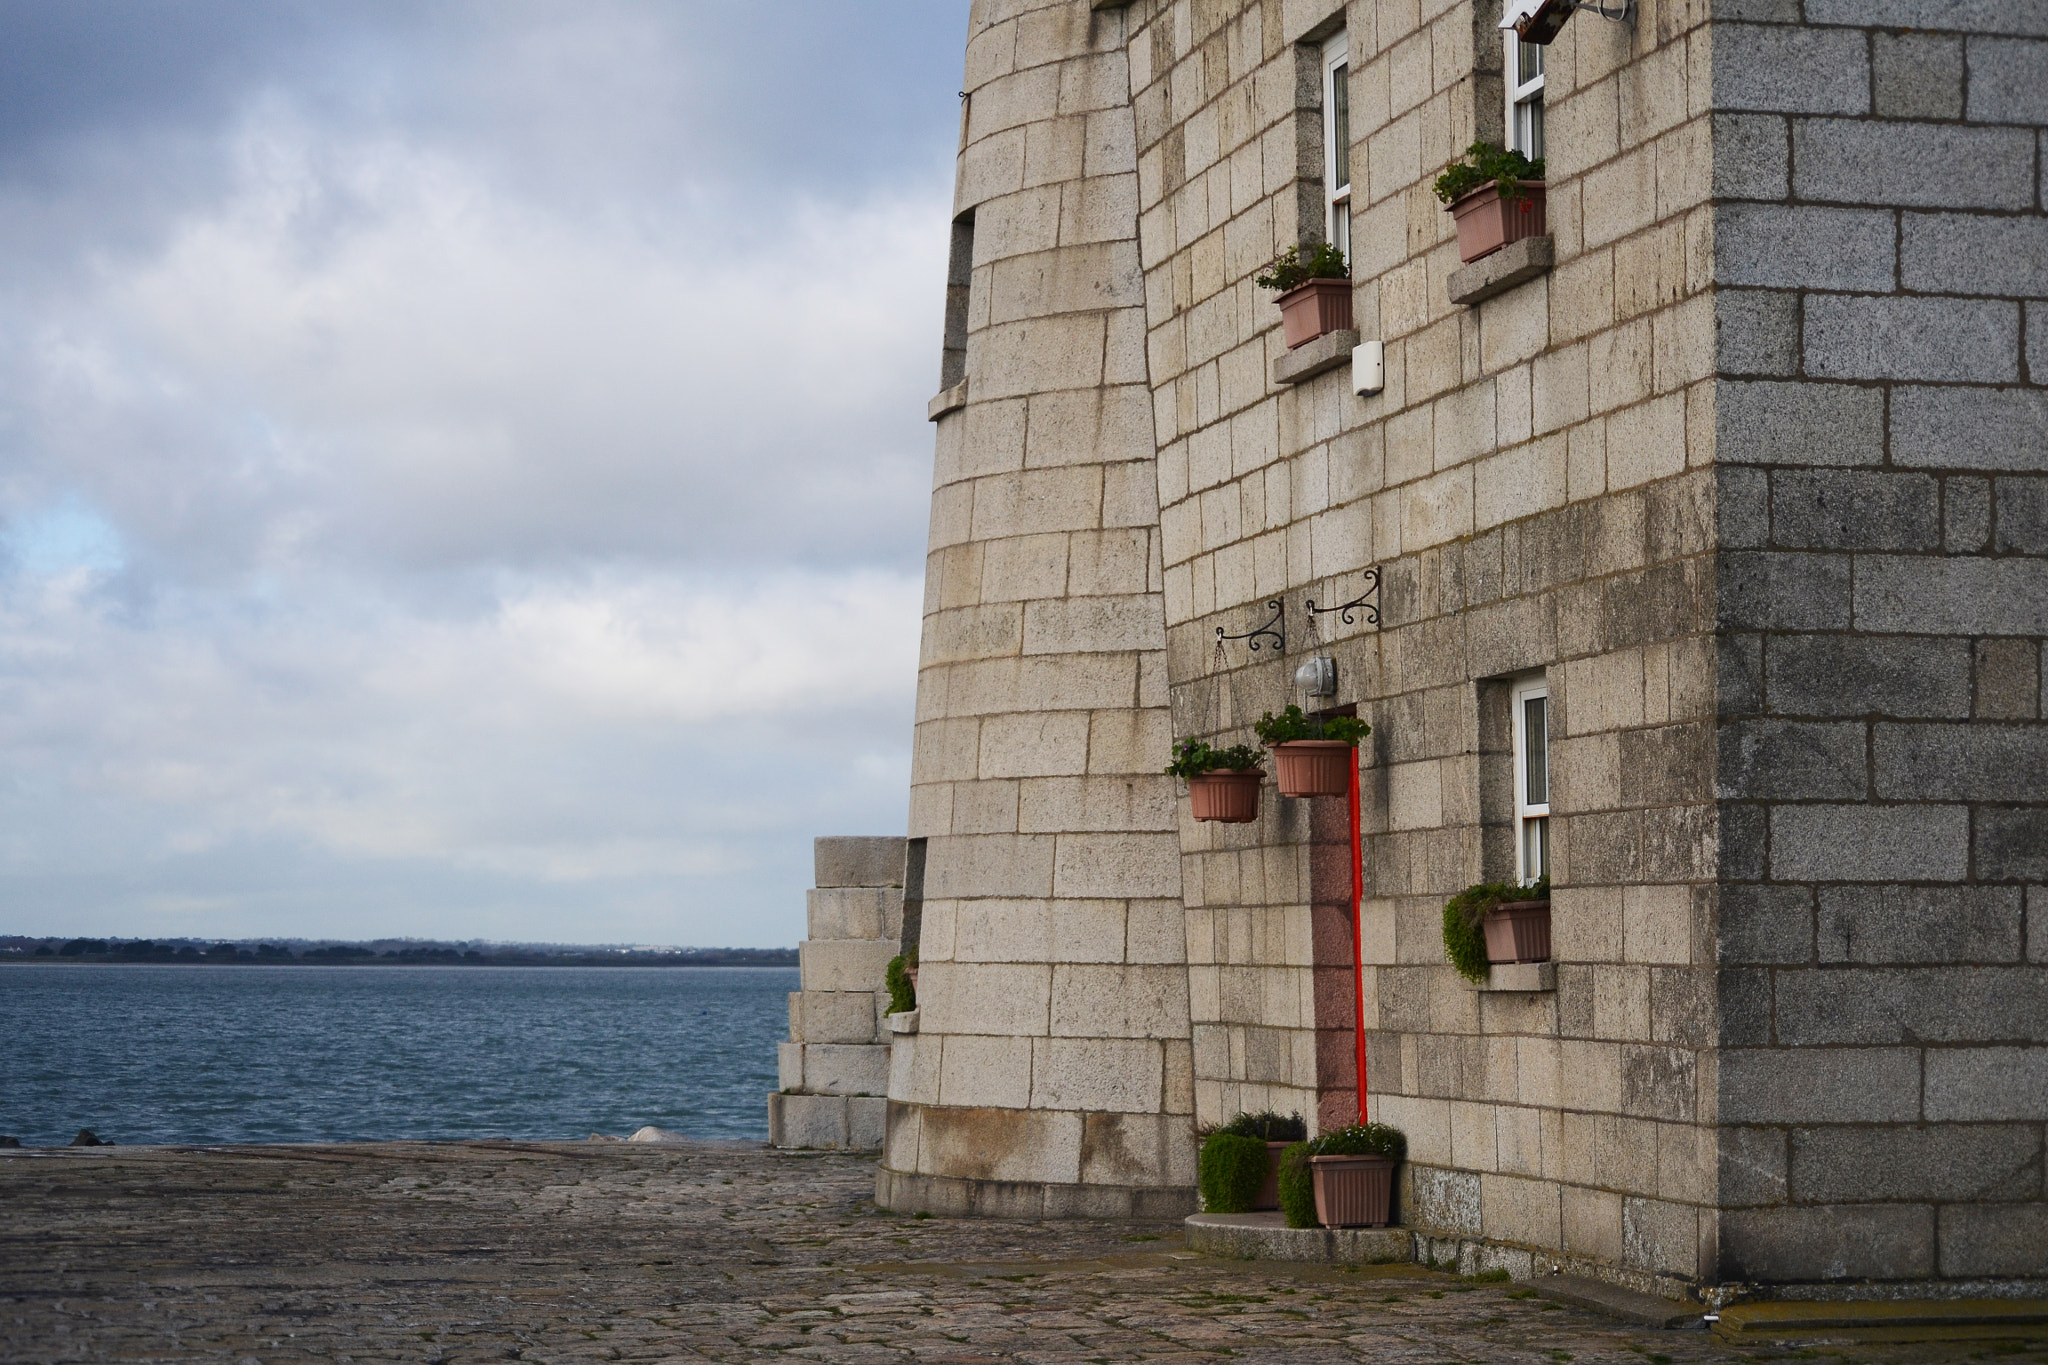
(1532,782)
(1337,144)
(1525,95)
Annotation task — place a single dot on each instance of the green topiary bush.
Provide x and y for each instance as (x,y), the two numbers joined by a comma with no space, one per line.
(901,997)
(1464,913)
(1297,1187)
(1231,1169)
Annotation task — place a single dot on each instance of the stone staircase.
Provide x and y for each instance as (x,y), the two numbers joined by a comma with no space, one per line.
(834,1070)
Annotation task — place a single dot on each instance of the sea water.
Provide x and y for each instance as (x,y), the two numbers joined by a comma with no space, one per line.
(246,1053)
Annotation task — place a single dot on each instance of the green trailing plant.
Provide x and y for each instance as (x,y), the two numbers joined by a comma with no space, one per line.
(901,997)
(1361,1139)
(1267,1126)
(1193,757)
(1292,269)
(1465,914)
(1293,724)
(1297,1187)
(1230,1170)
(1487,163)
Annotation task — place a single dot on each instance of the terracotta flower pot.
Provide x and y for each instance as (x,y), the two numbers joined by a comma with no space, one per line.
(1308,311)
(1487,222)
(1269,1193)
(1226,795)
(1518,931)
(1353,1191)
(1314,767)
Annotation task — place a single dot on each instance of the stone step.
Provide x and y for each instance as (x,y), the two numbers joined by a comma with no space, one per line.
(1266,1237)
(1884,1320)
(1647,1310)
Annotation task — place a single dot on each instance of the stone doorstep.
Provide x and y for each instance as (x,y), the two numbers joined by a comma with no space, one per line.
(1266,1237)
(1319,356)
(1645,1310)
(1877,1321)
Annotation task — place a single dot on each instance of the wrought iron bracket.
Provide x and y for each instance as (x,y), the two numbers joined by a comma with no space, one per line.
(1367,602)
(1274,630)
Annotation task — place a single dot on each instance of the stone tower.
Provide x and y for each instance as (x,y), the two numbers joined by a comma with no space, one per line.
(1740,471)
(1051,1072)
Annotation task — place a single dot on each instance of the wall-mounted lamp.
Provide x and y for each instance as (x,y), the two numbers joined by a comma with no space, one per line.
(1539,21)
(1317,677)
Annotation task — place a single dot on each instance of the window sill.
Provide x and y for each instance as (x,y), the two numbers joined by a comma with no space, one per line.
(949,400)
(1518,976)
(1516,263)
(1312,358)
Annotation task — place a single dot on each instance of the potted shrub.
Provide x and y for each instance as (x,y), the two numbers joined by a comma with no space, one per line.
(901,979)
(1312,756)
(1315,292)
(1497,922)
(1496,196)
(1352,1173)
(1223,784)
(1230,1170)
(1277,1131)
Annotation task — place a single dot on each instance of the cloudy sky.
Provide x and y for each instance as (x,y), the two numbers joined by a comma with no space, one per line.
(462,465)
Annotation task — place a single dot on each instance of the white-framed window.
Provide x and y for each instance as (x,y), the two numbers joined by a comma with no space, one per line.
(1525,95)
(1532,780)
(1337,143)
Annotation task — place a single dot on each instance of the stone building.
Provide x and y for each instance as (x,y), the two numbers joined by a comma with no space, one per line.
(1728,500)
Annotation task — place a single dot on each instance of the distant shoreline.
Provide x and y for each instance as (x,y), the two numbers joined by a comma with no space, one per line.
(790,965)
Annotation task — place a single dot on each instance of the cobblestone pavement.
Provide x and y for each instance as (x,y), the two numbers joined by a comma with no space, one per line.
(547,1252)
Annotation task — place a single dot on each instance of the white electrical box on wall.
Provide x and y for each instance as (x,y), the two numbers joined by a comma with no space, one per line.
(1368,368)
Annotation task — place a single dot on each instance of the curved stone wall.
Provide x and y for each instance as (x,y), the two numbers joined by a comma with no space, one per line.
(1052,1072)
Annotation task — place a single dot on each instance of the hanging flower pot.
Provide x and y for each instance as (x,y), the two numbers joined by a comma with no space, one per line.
(1312,756)
(1519,931)
(1223,784)
(1314,767)
(1230,797)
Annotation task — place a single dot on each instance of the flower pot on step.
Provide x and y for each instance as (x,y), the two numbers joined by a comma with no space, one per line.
(1518,931)
(1353,1191)
(1487,221)
(1314,767)
(1227,795)
(1310,310)
(1269,1193)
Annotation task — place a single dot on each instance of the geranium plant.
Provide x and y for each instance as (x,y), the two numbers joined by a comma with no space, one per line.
(1193,757)
(1292,269)
(1465,917)
(1293,724)
(1487,163)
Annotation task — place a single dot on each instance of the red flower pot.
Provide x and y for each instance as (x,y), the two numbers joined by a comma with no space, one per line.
(1353,1191)
(1518,931)
(1487,222)
(1310,310)
(1314,767)
(1226,794)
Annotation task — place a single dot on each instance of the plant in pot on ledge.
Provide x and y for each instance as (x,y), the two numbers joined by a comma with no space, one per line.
(1312,755)
(1497,922)
(1239,1164)
(1223,784)
(1496,196)
(1343,1179)
(1315,292)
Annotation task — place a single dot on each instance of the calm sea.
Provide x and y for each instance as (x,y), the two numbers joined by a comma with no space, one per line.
(313,1054)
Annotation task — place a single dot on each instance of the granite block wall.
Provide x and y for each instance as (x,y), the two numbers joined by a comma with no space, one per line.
(1882,596)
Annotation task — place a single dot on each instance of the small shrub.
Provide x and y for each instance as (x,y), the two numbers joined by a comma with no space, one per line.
(1464,913)
(1193,757)
(1231,1169)
(1297,1187)
(1268,1126)
(1292,270)
(1293,724)
(901,997)
(1487,163)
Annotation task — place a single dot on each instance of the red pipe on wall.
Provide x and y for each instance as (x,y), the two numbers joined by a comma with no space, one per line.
(1358,937)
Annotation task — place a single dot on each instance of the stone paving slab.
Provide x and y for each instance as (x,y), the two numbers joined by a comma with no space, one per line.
(656,1252)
